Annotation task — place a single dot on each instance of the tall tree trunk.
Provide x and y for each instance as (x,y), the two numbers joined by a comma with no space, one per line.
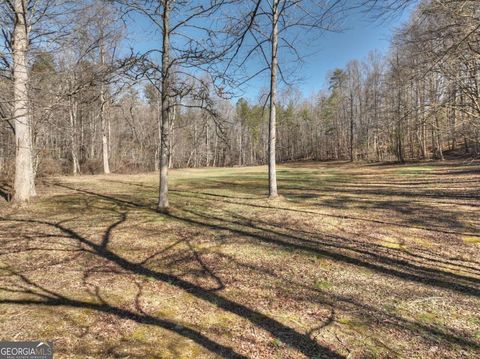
(103,117)
(399,144)
(215,150)
(73,138)
(163,195)
(24,185)
(207,147)
(439,138)
(105,137)
(92,135)
(195,144)
(453,123)
(351,127)
(424,139)
(171,137)
(272,171)
(158,117)
(240,145)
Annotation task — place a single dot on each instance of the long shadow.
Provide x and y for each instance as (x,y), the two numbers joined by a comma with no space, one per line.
(283,333)
(401,182)
(295,242)
(50,298)
(356,195)
(334,300)
(353,244)
(379,192)
(227,199)
(183,218)
(471,171)
(273,237)
(314,195)
(425,216)
(346,186)
(55,299)
(108,233)
(206,269)
(146,186)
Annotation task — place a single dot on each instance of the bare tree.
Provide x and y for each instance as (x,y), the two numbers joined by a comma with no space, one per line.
(23,22)
(265,29)
(24,175)
(16,23)
(175,78)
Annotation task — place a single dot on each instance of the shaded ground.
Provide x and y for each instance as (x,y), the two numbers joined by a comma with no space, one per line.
(353,261)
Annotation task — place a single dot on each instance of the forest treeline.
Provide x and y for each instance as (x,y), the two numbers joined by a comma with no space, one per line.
(93,107)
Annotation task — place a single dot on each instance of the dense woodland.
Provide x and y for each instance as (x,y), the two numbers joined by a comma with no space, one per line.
(95,106)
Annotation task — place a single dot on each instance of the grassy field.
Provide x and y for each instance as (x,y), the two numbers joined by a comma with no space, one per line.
(354,261)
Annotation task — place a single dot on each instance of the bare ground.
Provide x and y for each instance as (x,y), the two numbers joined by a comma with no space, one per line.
(356,261)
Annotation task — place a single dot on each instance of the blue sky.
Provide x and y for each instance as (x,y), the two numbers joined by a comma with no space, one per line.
(361,34)
(334,50)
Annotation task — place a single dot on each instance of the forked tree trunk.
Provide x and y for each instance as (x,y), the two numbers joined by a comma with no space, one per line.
(24,184)
(272,171)
(163,195)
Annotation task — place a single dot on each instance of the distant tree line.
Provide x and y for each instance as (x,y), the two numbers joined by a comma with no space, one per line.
(420,101)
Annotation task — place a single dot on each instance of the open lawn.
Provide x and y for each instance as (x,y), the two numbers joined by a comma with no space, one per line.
(357,261)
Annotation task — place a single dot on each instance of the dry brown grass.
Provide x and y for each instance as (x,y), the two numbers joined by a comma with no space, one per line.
(356,261)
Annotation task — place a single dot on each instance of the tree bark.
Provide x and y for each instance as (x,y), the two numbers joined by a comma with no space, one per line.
(73,138)
(163,204)
(24,184)
(103,116)
(171,135)
(351,126)
(272,171)
(207,146)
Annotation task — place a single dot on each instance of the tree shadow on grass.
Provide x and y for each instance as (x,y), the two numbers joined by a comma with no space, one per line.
(42,296)
(416,215)
(387,265)
(337,302)
(339,249)
(401,256)
(233,200)
(379,263)
(430,194)
(281,332)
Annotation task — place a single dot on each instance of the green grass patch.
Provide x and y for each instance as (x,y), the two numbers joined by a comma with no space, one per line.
(471,239)
(323,285)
